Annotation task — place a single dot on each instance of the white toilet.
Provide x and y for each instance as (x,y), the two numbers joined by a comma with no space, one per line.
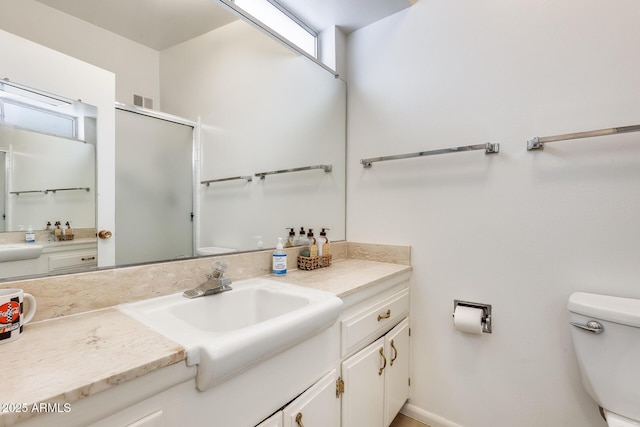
(606,337)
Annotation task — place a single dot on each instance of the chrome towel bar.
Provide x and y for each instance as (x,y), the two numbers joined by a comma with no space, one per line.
(233,178)
(537,142)
(51,190)
(327,168)
(489,148)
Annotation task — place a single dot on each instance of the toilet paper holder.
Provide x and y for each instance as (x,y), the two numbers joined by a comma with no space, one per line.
(486,313)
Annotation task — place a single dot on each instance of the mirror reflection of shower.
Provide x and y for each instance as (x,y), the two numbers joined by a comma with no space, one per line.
(154,186)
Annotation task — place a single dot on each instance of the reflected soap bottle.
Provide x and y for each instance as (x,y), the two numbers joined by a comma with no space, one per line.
(30,236)
(302,238)
(291,238)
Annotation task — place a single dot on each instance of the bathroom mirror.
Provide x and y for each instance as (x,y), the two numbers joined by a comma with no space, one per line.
(262,108)
(46,179)
(47,166)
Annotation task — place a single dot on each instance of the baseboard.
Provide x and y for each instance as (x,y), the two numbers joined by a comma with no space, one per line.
(432,420)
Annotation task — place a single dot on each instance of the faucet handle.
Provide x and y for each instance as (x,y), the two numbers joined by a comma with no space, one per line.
(219,268)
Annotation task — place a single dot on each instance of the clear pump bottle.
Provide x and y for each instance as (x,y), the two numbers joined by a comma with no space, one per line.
(279,262)
(291,239)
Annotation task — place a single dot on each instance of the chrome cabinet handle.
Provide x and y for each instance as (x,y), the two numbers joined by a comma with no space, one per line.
(299,419)
(385,361)
(395,353)
(591,326)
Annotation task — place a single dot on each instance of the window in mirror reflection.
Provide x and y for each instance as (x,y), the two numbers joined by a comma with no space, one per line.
(31,110)
(283,22)
(27,117)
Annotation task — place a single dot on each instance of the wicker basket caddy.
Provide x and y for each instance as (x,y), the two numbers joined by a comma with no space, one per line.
(312,263)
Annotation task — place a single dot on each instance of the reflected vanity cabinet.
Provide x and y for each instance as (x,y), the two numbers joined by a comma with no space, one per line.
(374,380)
(66,258)
(70,259)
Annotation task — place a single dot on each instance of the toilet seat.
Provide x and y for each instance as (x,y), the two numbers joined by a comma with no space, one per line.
(615,420)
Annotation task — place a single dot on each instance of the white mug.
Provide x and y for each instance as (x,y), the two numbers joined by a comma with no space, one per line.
(12,316)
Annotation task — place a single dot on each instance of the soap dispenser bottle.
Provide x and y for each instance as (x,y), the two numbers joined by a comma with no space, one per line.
(279,261)
(302,238)
(291,238)
(30,236)
(313,247)
(323,243)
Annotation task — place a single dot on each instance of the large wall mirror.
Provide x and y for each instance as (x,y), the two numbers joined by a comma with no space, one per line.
(258,108)
(47,168)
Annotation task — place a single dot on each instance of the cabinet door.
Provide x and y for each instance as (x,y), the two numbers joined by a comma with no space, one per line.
(363,398)
(273,421)
(397,372)
(316,407)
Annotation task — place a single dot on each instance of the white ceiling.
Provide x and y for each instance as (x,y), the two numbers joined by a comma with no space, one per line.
(348,15)
(160,24)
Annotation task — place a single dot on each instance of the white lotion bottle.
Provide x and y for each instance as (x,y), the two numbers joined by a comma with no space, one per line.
(30,236)
(279,260)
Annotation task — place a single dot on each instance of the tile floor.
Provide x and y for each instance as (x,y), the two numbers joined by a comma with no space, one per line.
(404,421)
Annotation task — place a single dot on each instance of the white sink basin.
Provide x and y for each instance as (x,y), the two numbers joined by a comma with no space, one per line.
(230,331)
(19,251)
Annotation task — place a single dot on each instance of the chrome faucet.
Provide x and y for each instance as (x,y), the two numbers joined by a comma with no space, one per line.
(215,283)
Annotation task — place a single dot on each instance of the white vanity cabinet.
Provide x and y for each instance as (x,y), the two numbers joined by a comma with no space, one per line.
(375,371)
(319,406)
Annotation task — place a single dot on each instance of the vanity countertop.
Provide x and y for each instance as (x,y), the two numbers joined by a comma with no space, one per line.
(346,276)
(65,359)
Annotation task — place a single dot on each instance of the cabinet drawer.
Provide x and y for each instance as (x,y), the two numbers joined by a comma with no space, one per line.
(365,326)
(64,261)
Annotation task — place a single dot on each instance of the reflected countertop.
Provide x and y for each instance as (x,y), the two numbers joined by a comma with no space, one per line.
(67,243)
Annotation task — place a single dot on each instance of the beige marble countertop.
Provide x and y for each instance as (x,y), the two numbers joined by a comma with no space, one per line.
(71,357)
(346,276)
(66,359)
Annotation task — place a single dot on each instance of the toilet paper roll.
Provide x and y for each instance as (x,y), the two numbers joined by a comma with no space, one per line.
(468,319)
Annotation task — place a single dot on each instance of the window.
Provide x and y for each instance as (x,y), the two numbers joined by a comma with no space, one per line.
(29,110)
(282,22)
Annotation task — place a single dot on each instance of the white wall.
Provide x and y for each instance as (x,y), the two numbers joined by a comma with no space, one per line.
(135,65)
(519,230)
(262,108)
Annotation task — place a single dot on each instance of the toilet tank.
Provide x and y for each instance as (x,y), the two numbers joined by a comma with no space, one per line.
(610,361)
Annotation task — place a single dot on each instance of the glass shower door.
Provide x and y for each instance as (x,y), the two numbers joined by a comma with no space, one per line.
(154,189)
